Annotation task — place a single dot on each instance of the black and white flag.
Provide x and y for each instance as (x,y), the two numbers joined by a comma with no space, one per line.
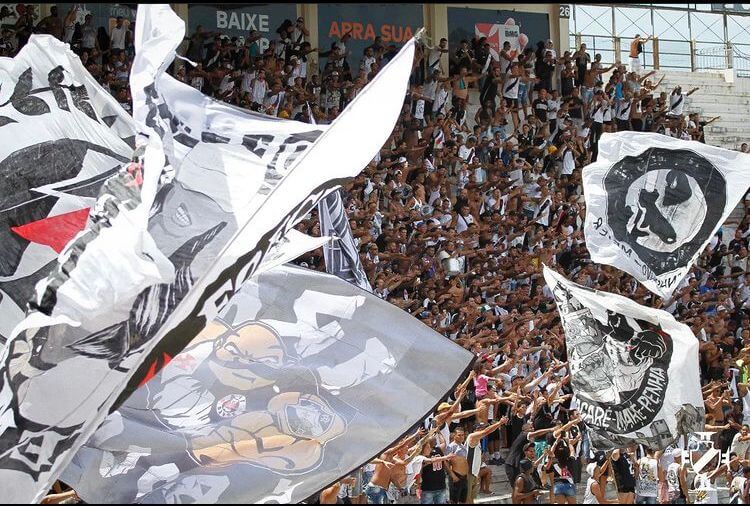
(173,237)
(633,369)
(341,253)
(63,135)
(653,203)
(296,384)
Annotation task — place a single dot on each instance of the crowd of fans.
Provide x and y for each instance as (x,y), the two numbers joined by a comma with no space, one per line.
(454,219)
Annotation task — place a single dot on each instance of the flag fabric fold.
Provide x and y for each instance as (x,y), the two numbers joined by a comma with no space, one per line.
(175,235)
(290,388)
(341,254)
(63,136)
(654,202)
(634,369)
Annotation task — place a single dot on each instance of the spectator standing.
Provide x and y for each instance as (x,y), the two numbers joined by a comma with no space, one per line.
(119,36)
(51,24)
(636,48)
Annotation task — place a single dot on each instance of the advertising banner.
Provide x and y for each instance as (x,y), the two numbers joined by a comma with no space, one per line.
(393,23)
(241,19)
(521,29)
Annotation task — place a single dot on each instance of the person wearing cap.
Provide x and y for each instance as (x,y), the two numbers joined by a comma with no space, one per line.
(525,489)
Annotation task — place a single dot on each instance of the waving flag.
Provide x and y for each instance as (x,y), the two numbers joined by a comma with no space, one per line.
(296,384)
(175,236)
(63,135)
(653,203)
(341,254)
(633,369)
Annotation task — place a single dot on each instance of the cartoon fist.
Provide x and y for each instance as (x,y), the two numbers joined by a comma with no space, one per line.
(647,344)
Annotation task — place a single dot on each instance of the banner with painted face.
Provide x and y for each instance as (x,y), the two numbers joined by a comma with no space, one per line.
(296,384)
(63,136)
(634,370)
(654,202)
(175,235)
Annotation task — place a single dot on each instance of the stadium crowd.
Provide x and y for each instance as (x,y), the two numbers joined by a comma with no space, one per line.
(454,219)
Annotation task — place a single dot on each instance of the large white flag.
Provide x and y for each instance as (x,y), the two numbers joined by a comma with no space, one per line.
(171,242)
(633,369)
(653,203)
(62,136)
(296,384)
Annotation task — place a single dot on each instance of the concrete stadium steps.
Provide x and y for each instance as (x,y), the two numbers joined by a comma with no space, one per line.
(716,97)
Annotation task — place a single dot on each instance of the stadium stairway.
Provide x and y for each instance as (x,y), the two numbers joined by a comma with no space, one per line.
(716,97)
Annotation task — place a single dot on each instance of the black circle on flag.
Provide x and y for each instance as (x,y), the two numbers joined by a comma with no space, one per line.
(664,204)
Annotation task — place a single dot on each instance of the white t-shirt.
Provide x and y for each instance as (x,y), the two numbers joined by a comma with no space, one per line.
(647,482)
(676,104)
(259,91)
(117,35)
(746,408)
(568,162)
(510,87)
(673,480)
(705,491)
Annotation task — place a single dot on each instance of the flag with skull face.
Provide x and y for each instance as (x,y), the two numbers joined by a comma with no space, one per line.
(292,387)
(633,369)
(654,202)
(174,237)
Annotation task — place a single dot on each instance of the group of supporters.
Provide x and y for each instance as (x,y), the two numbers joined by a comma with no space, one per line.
(455,218)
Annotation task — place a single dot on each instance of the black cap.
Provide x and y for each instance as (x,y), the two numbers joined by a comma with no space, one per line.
(524,465)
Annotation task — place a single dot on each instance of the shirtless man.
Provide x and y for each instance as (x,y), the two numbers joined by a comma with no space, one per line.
(463,468)
(461,84)
(591,78)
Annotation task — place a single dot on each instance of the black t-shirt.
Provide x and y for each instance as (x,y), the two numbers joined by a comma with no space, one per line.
(575,107)
(433,475)
(623,473)
(546,70)
(540,109)
(515,453)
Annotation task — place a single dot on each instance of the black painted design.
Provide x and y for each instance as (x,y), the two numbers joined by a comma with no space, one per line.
(635,213)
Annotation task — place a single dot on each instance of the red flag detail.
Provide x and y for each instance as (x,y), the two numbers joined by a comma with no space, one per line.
(155,368)
(55,231)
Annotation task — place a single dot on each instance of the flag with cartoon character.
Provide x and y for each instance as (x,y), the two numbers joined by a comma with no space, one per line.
(169,241)
(634,370)
(653,203)
(293,386)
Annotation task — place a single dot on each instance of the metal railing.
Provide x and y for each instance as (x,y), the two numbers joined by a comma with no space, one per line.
(672,54)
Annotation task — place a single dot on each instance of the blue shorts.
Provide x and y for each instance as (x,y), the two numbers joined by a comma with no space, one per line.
(523,93)
(564,488)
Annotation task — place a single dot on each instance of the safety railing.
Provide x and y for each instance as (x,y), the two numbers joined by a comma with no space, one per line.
(670,54)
